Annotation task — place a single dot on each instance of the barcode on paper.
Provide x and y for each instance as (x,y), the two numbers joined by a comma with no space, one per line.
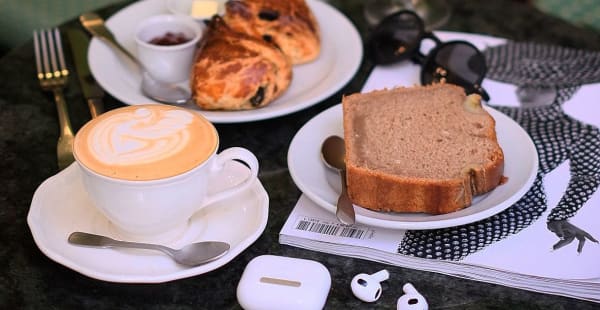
(332,229)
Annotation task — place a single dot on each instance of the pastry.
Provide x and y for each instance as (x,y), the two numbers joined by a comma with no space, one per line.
(290,25)
(235,71)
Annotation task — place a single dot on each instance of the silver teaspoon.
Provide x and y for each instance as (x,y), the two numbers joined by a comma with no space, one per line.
(333,153)
(159,91)
(191,255)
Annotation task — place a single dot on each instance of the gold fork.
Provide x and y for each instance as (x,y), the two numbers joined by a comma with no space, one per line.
(52,74)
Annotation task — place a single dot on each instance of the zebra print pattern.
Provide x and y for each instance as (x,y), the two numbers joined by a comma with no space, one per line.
(557,137)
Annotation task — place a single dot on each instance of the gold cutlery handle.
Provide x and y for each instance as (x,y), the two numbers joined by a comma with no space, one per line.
(96,107)
(64,146)
(94,24)
(63,114)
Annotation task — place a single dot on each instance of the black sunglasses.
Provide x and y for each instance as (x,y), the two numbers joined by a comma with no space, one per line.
(398,37)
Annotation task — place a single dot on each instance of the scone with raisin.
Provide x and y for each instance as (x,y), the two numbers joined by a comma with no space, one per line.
(235,71)
(290,25)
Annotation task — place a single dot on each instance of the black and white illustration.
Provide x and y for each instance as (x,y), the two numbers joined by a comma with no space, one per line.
(545,78)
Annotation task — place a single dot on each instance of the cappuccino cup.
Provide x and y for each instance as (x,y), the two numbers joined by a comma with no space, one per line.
(149,168)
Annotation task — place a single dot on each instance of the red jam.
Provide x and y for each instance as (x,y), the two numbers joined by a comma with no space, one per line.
(170,38)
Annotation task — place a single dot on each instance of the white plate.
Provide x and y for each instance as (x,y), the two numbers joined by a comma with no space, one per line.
(520,162)
(311,176)
(341,54)
(60,206)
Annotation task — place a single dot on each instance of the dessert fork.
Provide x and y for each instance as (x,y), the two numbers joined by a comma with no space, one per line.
(53,74)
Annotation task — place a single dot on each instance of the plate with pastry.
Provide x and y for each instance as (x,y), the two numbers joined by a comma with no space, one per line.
(251,64)
(410,165)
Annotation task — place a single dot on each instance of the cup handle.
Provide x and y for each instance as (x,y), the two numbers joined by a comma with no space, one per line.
(233,153)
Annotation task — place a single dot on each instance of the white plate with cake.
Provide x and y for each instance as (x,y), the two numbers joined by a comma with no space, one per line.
(338,61)
(311,176)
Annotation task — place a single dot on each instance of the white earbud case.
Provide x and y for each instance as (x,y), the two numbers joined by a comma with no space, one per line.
(277,282)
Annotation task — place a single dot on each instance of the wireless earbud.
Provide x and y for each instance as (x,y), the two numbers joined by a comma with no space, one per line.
(368,287)
(411,300)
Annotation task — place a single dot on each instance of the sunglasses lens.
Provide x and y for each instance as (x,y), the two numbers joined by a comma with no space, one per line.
(396,37)
(457,63)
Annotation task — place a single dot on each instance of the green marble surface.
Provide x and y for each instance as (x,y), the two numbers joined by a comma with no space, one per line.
(28,133)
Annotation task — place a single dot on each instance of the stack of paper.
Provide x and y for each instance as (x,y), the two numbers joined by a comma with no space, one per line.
(524,260)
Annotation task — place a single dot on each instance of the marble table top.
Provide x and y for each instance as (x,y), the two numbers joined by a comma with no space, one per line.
(29,130)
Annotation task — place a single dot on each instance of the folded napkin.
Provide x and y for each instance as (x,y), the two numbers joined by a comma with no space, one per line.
(546,241)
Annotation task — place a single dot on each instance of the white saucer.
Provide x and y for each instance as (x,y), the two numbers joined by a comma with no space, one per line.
(340,58)
(60,206)
(313,178)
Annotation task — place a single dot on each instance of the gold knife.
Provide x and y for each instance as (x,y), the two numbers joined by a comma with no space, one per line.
(92,92)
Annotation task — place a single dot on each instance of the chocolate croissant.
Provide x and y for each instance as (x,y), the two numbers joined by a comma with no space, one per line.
(288,24)
(235,71)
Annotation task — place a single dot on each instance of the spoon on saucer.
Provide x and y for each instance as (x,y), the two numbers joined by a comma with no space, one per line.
(159,91)
(332,153)
(190,255)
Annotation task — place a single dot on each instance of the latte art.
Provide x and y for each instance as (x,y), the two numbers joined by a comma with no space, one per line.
(145,142)
(140,137)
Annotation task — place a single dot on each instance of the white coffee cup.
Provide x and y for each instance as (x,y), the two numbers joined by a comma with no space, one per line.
(156,174)
(168,63)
